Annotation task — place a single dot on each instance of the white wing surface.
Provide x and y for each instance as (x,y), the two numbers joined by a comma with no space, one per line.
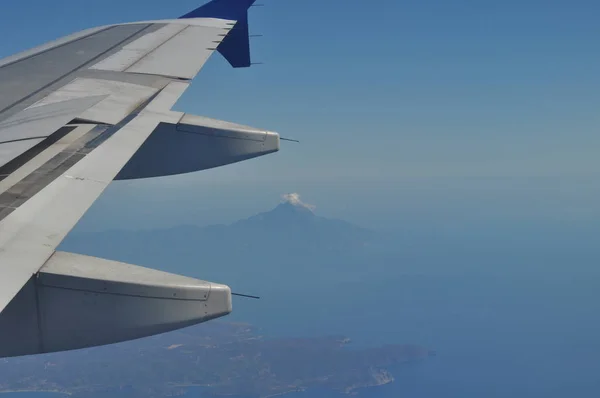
(77,113)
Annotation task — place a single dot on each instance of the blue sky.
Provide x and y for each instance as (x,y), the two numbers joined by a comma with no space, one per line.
(405,109)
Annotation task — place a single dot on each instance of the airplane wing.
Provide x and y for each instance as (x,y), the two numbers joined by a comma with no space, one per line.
(76,114)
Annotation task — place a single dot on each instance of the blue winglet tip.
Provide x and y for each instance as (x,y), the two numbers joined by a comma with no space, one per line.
(236,45)
(224,9)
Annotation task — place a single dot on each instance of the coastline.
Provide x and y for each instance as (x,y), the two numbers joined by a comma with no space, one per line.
(35,391)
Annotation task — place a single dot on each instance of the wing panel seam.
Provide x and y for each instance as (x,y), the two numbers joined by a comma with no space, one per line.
(23,139)
(72,289)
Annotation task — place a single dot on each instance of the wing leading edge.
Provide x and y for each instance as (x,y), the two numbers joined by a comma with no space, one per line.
(104,113)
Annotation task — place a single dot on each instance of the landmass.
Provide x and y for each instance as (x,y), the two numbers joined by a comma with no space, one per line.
(227,359)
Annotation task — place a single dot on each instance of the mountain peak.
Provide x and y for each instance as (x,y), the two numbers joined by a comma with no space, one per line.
(294,200)
(286,214)
(291,208)
(293,226)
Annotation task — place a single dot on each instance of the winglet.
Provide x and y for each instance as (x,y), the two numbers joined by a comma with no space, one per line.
(236,45)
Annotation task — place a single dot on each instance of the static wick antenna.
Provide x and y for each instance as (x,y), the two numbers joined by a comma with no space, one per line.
(245,295)
(249,36)
(288,139)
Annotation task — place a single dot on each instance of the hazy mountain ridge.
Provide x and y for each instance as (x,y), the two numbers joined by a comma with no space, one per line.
(285,229)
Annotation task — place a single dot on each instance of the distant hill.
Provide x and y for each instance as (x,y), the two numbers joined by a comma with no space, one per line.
(295,226)
(290,234)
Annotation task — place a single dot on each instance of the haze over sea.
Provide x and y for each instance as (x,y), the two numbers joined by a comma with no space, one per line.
(510,306)
(466,131)
(513,313)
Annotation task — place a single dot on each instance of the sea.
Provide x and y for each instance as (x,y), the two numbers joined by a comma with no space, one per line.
(510,310)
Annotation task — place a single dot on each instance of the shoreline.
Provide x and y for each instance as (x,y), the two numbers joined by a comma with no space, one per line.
(35,391)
